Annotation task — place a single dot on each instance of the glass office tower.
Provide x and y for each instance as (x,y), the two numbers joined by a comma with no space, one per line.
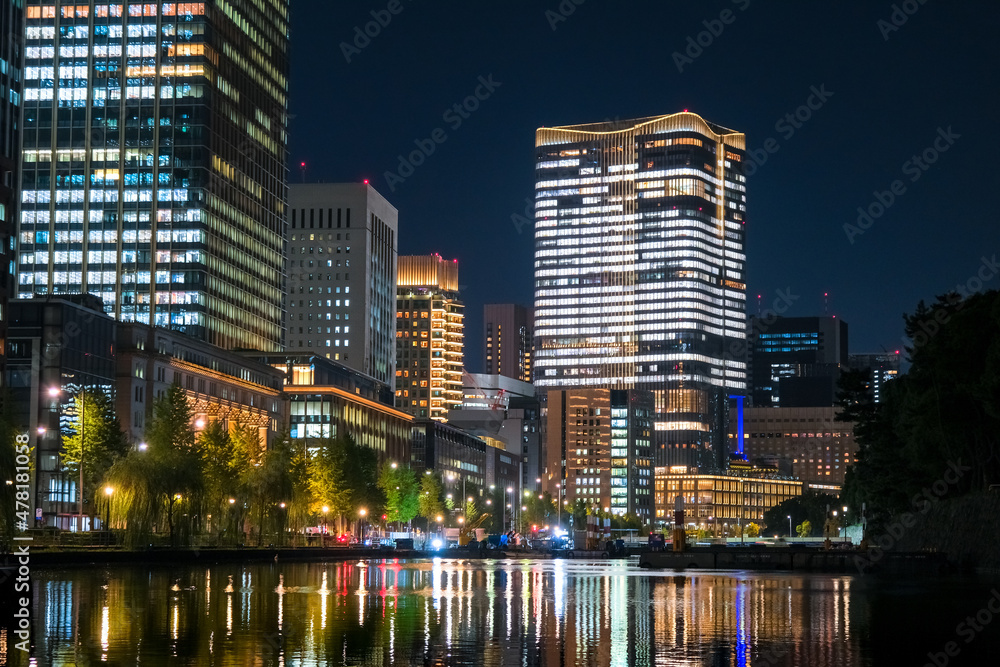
(639,271)
(11,52)
(154,162)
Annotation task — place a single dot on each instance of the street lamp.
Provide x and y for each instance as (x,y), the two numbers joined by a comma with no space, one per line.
(789,525)
(325,510)
(107,512)
(510,490)
(361,528)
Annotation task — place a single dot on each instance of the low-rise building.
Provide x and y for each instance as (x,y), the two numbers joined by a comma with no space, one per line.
(719,500)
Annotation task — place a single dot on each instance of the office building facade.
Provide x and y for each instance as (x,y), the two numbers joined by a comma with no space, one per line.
(640,271)
(508,340)
(809,442)
(11,73)
(342,276)
(599,449)
(796,361)
(430,334)
(154,163)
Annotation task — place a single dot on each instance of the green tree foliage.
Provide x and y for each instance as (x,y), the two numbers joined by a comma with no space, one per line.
(804,529)
(402,493)
(154,486)
(945,410)
(97,432)
(809,506)
(541,511)
(430,503)
(327,487)
(267,485)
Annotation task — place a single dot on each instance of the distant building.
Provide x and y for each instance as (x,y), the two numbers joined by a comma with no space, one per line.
(721,503)
(640,271)
(506,409)
(508,340)
(881,368)
(430,334)
(450,452)
(599,449)
(341,267)
(326,399)
(796,361)
(220,385)
(11,75)
(816,446)
(56,348)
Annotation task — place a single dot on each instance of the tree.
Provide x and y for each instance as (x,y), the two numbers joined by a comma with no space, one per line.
(940,417)
(269,489)
(752,530)
(360,468)
(430,504)
(327,488)
(810,505)
(97,432)
(222,471)
(402,494)
(804,529)
(151,486)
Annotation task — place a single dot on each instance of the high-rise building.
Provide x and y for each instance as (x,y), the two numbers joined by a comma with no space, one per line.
(154,163)
(11,70)
(337,310)
(599,449)
(640,271)
(507,340)
(881,368)
(795,362)
(429,336)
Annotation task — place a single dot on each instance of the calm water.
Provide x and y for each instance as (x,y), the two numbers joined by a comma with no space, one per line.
(454,612)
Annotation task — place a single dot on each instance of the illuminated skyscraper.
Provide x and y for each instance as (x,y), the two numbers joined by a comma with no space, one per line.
(342,276)
(640,271)
(429,336)
(11,69)
(154,162)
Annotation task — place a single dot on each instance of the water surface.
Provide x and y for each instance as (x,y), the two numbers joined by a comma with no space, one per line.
(513,612)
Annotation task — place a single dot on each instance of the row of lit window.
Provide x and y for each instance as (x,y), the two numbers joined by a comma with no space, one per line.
(116,11)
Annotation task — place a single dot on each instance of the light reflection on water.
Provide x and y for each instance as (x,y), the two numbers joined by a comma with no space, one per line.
(444,612)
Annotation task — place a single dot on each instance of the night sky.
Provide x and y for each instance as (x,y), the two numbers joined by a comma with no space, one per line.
(891,90)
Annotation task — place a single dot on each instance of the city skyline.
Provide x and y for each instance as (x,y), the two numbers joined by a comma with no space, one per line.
(807,187)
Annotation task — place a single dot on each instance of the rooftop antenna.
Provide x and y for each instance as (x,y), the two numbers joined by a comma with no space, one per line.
(758,305)
(826,303)
(302,168)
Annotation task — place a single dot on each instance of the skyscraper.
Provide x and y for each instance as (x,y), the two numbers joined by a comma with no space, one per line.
(640,271)
(11,68)
(429,336)
(507,340)
(154,163)
(342,276)
(795,362)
